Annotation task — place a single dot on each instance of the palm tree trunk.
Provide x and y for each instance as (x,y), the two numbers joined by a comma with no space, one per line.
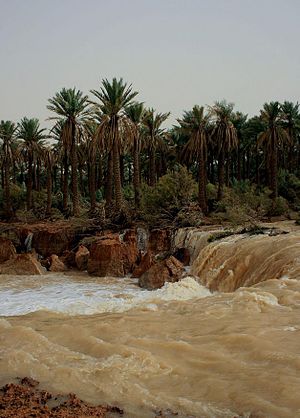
(8,208)
(74,168)
(65,182)
(136,174)
(92,180)
(49,191)
(239,172)
(202,184)
(152,167)
(38,175)
(116,167)
(29,181)
(221,173)
(273,172)
(109,180)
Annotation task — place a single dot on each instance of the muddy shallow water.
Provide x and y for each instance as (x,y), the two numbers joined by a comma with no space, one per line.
(182,347)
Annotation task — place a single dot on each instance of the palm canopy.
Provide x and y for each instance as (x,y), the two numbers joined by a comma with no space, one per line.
(193,125)
(8,136)
(291,119)
(153,131)
(223,132)
(114,96)
(275,135)
(32,134)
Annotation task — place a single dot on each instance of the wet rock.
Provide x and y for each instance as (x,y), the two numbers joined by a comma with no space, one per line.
(183,255)
(52,239)
(68,258)
(160,240)
(56,265)
(22,264)
(147,261)
(169,270)
(82,257)
(7,250)
(26,400)
(111,256)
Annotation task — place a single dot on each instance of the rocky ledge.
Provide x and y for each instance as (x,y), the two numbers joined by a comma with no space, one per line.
(26,400)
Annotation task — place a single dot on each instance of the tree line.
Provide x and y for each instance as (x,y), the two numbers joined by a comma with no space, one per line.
(109,141)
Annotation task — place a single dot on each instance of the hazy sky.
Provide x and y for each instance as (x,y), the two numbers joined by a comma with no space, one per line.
(176,53)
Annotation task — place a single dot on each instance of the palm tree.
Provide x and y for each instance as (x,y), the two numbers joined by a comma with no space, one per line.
(223,135)
(71,106)
(291,122)
(194,125)
(239,121)
(135,113)
(33,141)
(114,126)
(49,158)
(7,135)
(153,137)
(273,137)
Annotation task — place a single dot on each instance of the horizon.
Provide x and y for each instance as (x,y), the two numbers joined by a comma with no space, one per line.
(170,52)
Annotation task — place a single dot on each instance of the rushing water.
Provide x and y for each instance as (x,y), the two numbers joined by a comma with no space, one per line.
(182,348)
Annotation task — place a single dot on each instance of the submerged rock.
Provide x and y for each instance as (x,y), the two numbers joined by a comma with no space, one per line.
(22,264)
(82,257)
(169,270)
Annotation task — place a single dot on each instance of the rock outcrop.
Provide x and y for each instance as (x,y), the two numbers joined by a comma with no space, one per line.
(160,240)
(22,264)
(147,261)
(169,270)
(111,256)
(82,258)
(56,265)
(52,239)
(7,250)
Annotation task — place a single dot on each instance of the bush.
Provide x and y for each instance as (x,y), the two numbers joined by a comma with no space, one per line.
(175,190)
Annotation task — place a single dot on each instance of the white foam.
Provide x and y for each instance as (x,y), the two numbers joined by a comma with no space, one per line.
(65,294)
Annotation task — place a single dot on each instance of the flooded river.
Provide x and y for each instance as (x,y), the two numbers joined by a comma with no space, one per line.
(229,351)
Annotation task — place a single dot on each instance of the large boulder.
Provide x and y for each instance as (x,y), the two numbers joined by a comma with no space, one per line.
(7,250)
(169,270)
(56,265)
(147,261)
(22,264)
(112,256)
(82,257)
(52,239)
(160,240)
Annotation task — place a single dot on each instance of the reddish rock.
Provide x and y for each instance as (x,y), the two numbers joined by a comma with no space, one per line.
(106,257)
(169,270)
(82,257)
(109,256)
(7,250)
(22,264)
(145,264)
(52,239)
(68,258)
(160,240)
(56,265)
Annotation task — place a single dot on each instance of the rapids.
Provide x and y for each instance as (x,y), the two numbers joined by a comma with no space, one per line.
(184,348)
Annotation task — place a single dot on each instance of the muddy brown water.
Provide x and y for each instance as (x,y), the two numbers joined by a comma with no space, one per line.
(201,354)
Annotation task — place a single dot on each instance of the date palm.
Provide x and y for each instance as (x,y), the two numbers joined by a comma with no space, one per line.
(193,125)
(223,135)
(115,126)
(32,136)
(153,133)
(71,106)
(135,113)
(273,138)
(291,122)
(7,136)
(49,158)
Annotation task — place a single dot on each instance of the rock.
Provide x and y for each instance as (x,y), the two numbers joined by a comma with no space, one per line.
(68,258)
(52,239)
(106,257)
(111,256)
(82,257)
(22,264)
(160,240)
(169,270)
(147,261)
(56,265)
(183,255)
(7,250)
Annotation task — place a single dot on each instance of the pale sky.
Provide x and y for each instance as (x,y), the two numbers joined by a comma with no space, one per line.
(176,53)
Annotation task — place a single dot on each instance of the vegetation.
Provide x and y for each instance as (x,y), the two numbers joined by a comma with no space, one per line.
(108,155)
